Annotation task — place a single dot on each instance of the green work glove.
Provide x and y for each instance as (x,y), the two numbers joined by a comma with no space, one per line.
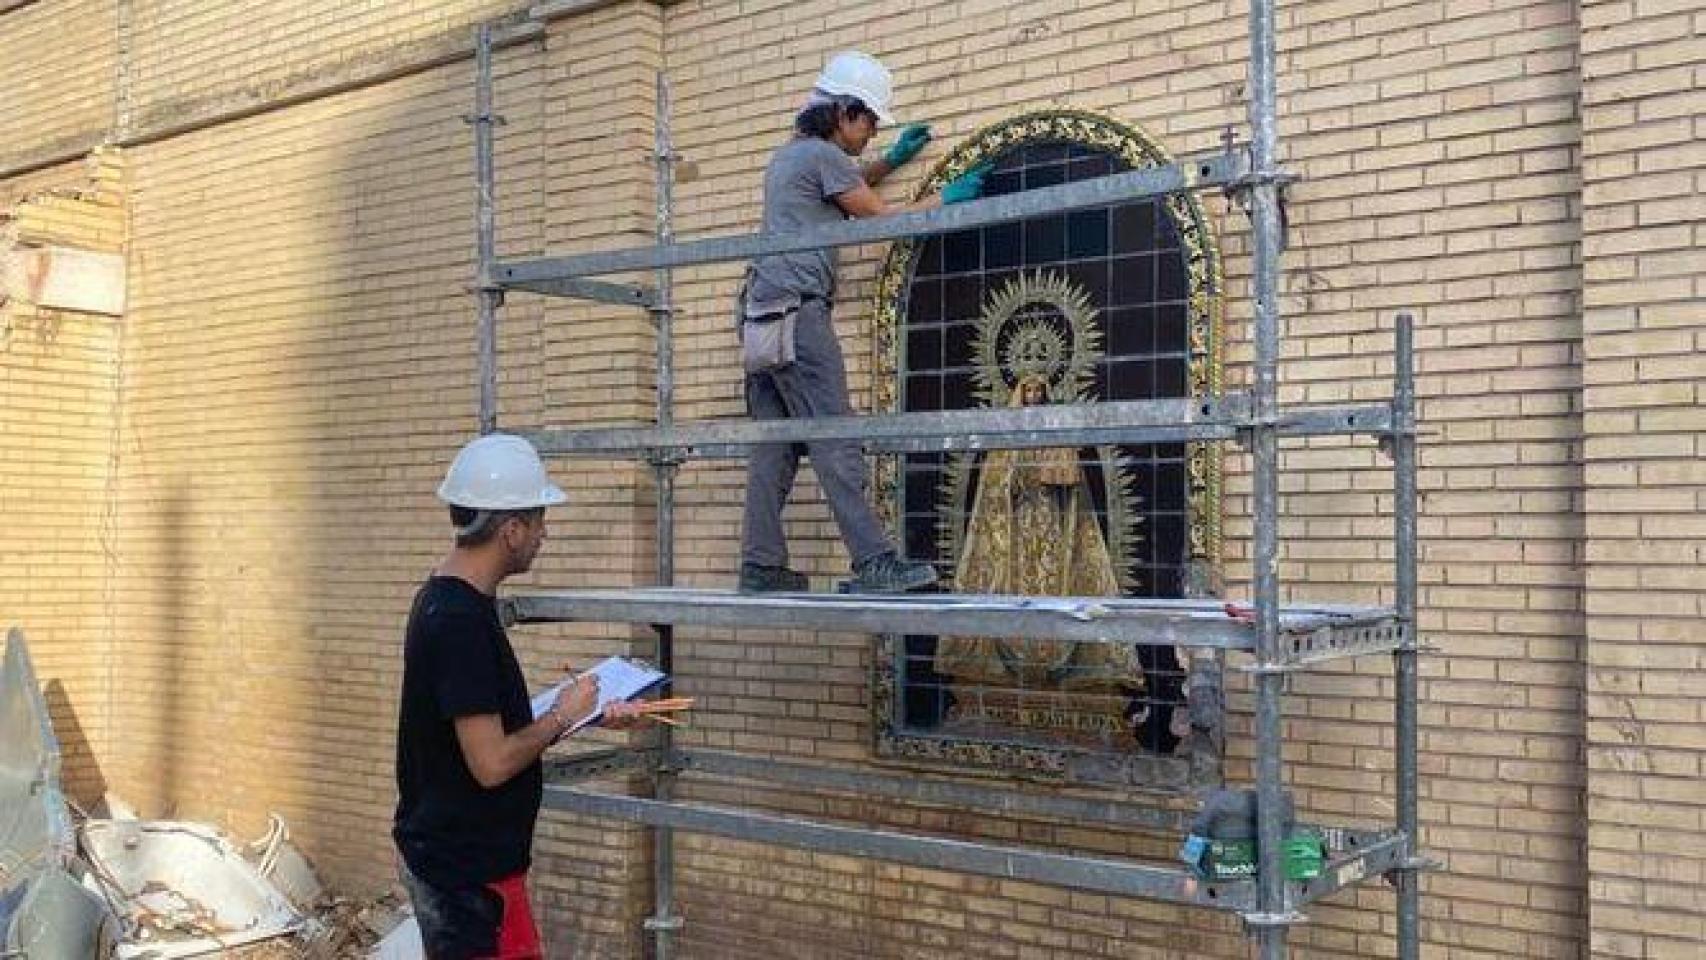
(911,140)
(967,186)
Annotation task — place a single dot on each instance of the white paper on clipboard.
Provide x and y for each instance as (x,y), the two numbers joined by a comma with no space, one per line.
(618,680)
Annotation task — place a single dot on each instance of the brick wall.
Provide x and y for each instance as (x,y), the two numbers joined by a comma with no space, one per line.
(1438,144)
(296,382)
(298,366)
(58,61)
(594,188)
(298,318)
(59,392)
(191,60)
(1643,170)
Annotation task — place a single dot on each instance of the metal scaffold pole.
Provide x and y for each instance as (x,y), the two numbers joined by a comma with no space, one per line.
(663,922)
(487,294)
(1272,913)
(1404,603)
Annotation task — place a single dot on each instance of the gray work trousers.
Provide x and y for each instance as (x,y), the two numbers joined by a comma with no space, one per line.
(814,385)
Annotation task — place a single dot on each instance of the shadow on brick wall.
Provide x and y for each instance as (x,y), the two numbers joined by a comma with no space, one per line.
(79,763)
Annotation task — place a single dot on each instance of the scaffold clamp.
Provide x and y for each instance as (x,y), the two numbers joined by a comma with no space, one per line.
(655,924)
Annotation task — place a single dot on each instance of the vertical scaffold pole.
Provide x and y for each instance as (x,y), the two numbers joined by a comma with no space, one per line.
(1404,600)
(487,295)
(664,923)
(1271,908)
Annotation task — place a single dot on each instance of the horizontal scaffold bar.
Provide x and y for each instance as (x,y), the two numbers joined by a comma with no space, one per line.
(1216,170)
(984,428)
(1189,623)
(620,294)
(599,763)
(1013,863)
(1338,641)
(987,428)
(917,788)
(1376,858)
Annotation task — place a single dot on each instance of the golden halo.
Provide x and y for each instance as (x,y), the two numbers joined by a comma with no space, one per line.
(1033,346)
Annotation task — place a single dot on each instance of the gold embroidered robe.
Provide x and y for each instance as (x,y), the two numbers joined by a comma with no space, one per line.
(1032,531)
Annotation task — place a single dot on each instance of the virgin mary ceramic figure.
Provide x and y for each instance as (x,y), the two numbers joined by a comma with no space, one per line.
(1032,530)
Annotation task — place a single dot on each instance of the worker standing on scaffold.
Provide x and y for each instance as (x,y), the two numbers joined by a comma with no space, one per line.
(794,367)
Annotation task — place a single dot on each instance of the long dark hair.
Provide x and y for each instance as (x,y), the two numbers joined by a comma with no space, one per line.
(820,119)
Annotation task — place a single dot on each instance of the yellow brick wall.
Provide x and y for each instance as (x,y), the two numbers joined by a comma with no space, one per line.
(594,188)
(1644,397)
(57,67)
(297,378)
(1437,145)
(297,381)
(298,367)
(59,394)
(190,60)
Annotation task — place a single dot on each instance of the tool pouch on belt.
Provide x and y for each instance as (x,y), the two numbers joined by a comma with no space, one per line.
(767,342)
(767,338)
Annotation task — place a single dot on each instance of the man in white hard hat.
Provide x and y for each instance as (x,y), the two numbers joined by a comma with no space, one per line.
(812,180)
(469,780)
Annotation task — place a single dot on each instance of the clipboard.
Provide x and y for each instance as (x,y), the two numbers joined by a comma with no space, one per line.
(619,680)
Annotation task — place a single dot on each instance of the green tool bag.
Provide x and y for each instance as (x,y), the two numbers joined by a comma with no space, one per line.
(1304,855)
(1222,844)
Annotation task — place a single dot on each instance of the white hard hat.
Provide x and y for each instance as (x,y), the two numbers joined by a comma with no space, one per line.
(854,74)
(499,471)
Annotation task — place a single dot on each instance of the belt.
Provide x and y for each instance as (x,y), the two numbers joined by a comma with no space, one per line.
(805,299)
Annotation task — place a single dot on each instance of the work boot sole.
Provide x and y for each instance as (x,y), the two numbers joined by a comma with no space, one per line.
(925,577)
(796,584)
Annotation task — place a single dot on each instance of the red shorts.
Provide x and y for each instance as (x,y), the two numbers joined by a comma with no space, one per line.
(518,935)
(491,920)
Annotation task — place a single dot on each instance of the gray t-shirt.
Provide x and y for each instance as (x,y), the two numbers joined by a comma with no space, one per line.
(802,177)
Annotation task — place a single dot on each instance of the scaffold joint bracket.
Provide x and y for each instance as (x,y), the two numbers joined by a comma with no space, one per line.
(655,924)
(667,458)
(1285,918)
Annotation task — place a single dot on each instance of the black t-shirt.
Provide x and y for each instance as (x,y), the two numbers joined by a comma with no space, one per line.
(457,662)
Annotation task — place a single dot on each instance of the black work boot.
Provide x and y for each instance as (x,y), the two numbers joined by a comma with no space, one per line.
(888,573)
(757,578)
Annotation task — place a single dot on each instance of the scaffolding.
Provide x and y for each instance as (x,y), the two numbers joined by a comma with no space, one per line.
(1280,638)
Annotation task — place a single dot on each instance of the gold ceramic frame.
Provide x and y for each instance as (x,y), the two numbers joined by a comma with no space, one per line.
(1198,762)
(1205,286)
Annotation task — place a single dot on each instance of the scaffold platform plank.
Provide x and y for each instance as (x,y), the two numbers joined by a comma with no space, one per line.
(1316,631)
(1065,425)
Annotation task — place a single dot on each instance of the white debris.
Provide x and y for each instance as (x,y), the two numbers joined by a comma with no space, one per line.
(403,943)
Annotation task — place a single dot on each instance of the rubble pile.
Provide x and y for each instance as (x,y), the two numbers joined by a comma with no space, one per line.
(109,885)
